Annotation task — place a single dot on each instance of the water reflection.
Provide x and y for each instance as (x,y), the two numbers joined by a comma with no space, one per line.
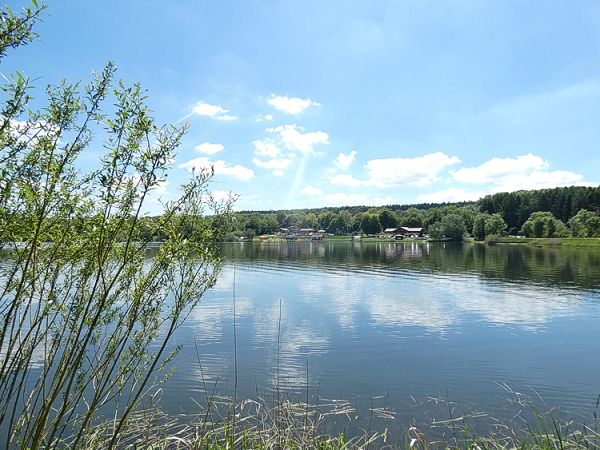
(551,265)
(407,319)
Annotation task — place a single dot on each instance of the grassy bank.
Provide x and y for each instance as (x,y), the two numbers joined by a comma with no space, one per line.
(552,242)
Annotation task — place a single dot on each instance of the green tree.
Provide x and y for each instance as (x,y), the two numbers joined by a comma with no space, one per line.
(538,228)
(479,230)
(370,224)
(453,227)
(337,226)
(324,219)
(79,297)
(346,217)
(544,224)
(468,213)
(412,217)
(585,224)
(432,216)
(309,221)
(388,219)
(436,231)
(494,225)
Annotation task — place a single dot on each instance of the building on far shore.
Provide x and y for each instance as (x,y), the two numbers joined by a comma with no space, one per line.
(406,231)
(411,231)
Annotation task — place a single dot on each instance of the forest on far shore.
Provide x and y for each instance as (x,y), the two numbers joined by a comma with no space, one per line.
(557,212)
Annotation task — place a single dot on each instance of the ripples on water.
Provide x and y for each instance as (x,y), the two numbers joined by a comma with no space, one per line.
(408,321)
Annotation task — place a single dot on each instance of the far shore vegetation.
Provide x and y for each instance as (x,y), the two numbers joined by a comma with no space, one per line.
(567,216)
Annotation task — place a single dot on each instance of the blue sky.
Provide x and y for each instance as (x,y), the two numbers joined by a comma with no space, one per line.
(331,103)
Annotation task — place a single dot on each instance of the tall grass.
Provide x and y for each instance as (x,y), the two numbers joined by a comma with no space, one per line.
(296,425)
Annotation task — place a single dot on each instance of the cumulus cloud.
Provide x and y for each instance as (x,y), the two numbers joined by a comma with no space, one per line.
(393,172)
(221,168)
(490,170)
(209,149)
(311,191)
(214,111)
(344,161)
(279,150)
(522,172)
(277,163)
(540,180)
(525,172)
(291,105)
(418,171)
(266,148)
(293,137)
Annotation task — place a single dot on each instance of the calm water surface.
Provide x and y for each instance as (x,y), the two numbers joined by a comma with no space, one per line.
(396,324)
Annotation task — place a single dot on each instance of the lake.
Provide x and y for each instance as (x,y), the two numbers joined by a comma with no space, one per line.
(398,325)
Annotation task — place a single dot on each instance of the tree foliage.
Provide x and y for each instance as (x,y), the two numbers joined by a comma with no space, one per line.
(562,202)
(487,225)
(370,224)
(544,224)
(85,316)
(453,227)
(387,219)
(585,224)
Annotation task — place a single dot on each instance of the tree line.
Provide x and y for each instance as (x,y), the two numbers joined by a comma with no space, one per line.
(558,212)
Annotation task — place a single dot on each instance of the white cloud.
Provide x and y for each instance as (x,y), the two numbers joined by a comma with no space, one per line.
(418,171)
(344,161)
(222,196)
(311,191)
(265,118)
(209,149)
(525,172)
(226,117)
(490,170)
(31,132)
(269,154)
(346,180)
(277,165)
(206,109)
(512,174)
(214,111)
(293,137)
(540,180)
(221,168)
(291,105)
(266,148)
(394,172)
